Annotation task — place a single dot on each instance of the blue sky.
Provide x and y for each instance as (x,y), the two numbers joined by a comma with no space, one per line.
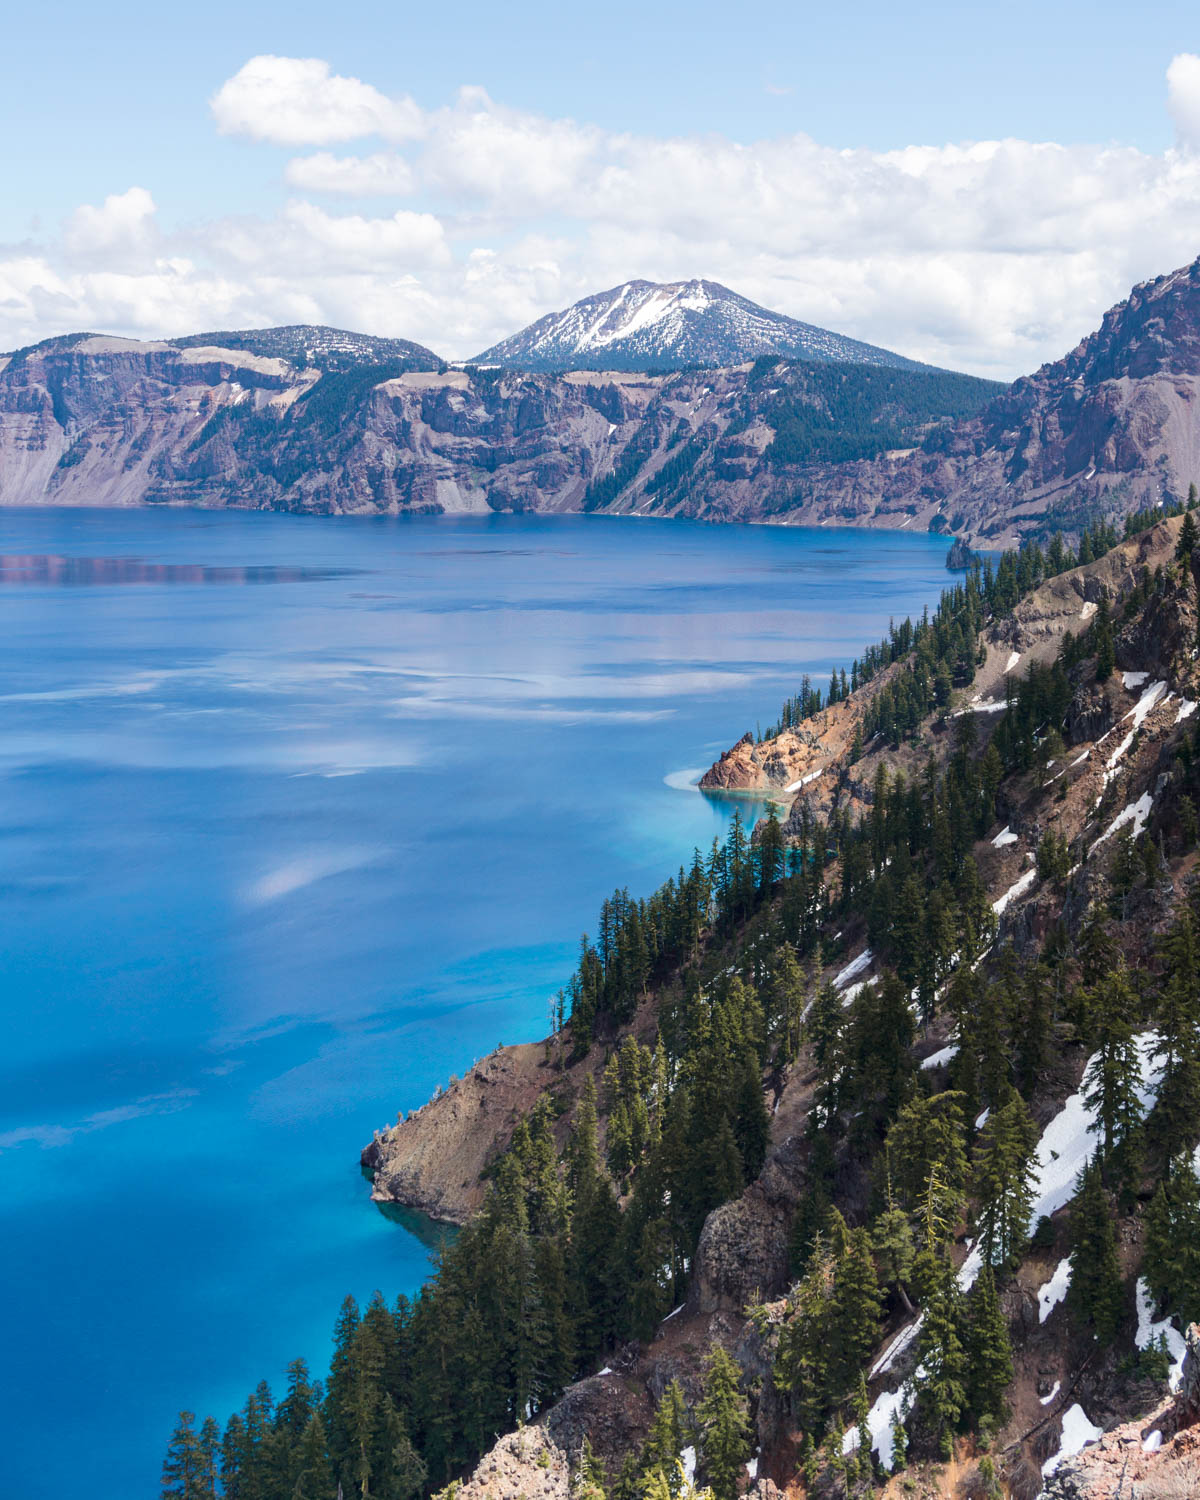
(757,146)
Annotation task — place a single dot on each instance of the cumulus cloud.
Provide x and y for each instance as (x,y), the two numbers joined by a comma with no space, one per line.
(385,174)
(124,222)
(989,256)
(298,101)
(354,242)
(1183,98)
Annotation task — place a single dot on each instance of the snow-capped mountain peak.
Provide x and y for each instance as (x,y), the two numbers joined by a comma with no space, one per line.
(643,325)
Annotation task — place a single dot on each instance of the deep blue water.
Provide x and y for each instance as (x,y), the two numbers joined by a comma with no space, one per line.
(297,818)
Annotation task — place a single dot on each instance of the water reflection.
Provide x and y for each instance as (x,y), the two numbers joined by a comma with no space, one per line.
(751,804)
(71,572)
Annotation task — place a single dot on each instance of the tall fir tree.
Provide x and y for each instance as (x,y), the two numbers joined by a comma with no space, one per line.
(1003,1179)
(184,1474)
(941,1351)
(989,1352)
(1095,1295)
(669,1435)
(314,1475)
(723,1427)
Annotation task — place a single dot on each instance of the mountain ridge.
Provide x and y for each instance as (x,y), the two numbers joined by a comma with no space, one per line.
(1111,427)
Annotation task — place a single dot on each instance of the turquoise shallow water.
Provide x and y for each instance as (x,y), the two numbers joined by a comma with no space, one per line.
(297,818)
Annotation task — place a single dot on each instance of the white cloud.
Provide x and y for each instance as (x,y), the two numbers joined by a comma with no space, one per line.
(297,101)
(353,242)
(513,161)
(1183,98)
(124,223)
(989,256)
(383,175)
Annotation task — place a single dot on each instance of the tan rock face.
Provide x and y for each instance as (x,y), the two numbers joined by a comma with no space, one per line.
(433,1161)
(524,1465)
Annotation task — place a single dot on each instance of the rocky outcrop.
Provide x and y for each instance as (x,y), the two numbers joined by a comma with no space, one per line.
(433,1160)
(808,763)
(524,1465)
(612,1412)
(742,1256)
(1154,1458)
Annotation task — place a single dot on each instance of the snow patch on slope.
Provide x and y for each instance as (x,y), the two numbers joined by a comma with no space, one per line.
(1077,1433)
(1149,1332)
(1136,812)
(1014,892)
(1055,1290)
(1069,1142)
(853,969)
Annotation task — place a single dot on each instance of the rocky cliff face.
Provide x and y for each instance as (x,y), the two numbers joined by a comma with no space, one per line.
(111,421)
(1113,426)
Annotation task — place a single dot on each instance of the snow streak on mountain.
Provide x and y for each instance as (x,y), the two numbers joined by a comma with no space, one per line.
(646,325)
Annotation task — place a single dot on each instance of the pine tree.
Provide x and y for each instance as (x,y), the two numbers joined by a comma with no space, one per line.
(1095,1294)
(1176,1114)
(724,1431)
(752,1130)
(940,1349)
(183,1476)
(398,1471)
(1003,1178)
(208,1449)
(628,1483)
(1171,1264)
(233,1447)
(894,1249)
(669,1435)
(314,1476)
(771,854)
(337,1392)
(862,1453)
(787,1003)
(590,1480)
(721,1166)
(825,1022)
(854,1315)
(1188,538)
(1113,1076)
(989,1352)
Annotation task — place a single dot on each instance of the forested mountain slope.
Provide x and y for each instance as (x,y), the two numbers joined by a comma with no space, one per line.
(866,1148)
(316,420)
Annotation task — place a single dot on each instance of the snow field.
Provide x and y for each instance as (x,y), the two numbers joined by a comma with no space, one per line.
(940,1058)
